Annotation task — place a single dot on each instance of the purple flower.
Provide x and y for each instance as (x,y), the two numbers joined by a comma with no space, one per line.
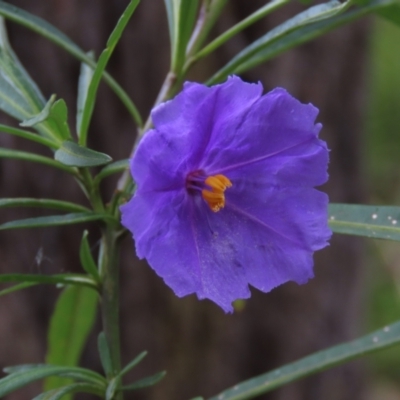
(225,191)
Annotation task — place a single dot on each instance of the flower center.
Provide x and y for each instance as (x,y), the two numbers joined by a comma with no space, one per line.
(212,188)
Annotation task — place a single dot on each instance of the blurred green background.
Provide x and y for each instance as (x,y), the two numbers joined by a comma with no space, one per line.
(382,129)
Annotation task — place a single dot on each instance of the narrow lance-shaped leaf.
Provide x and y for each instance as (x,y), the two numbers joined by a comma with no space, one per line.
(43,203)
(74,155)
(169,7)
(86,258)
(70,325)
(85,77)
(54,220)
(26,156)
(384,338)
(64,279)
(145,382)
(19,95)
(112,388)
(98,72)
(114,168)
(25,374)
(380,222)
(34,137)
(307,33)
(133,363)
(62,393)
(311,15)
(51,33)
(105,356)
(15,288)
(251,19)
(181,18)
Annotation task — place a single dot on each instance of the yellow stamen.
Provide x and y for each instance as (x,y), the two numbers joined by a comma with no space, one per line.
(218,182)
(215,198)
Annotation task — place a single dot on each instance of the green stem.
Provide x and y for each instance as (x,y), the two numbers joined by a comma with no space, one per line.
(209,12)
(251,19)
(91,190)
(28,135)
(164,94)
(109,271)
(166,91)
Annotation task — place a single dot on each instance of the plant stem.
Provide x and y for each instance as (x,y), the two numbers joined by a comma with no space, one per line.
(166,91)
(164,94)
(109,272)
(251,19)
(209,12)
(91,190)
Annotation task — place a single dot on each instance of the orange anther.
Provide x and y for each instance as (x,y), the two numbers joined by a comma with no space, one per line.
(218,182)
(215,198)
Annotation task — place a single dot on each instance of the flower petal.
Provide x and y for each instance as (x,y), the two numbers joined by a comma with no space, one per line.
(183,129)
(276,123)
(301,166)
(264,244)
(166,245)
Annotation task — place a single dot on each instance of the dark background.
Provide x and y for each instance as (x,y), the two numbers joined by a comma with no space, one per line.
(203,350)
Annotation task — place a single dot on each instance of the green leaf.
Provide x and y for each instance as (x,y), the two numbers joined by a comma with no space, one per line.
(51,33)
(112,388)
(59,394)
(55,115)
(43,203)
(384,338)
(113,168)
(24,374)
(391,13)
(181,17)
(64,279)
(25,156)
(169,7)
(19,95)
(86,258)
(70,325)
(41,116)
(251,19)
(311,15)
(133,363)
(305,34)
(380,222)
(51,121)
(105,356)
(74,155)
(58,119)
(85,77)
(145,382)
(54,220)
(28,135)
(16,288)
(100,67)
